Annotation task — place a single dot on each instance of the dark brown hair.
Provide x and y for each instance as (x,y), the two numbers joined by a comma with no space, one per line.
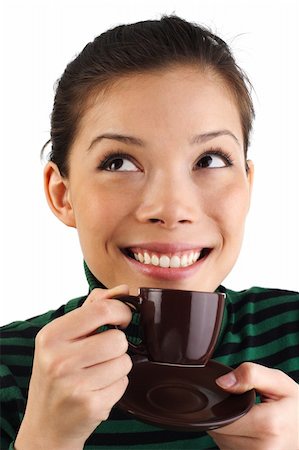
(137,48)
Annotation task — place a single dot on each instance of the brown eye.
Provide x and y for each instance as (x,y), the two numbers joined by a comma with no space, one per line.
(213,160)
(118,163)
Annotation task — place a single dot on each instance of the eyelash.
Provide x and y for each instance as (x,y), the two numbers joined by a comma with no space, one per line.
(226,156)
(110,156)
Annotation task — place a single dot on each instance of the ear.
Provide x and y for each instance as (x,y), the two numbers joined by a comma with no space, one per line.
(58,194)
(250,174)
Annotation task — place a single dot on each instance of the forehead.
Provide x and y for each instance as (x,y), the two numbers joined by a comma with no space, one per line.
(175,101)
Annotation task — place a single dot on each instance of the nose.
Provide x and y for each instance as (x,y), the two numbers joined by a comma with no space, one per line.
(169,199)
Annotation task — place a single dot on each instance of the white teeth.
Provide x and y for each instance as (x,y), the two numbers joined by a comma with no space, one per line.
(165,261)
(196,256)
(184,261)
(147,258)
(175,261)
(155,260)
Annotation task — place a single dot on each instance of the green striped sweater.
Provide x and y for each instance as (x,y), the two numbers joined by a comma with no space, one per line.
(259,325)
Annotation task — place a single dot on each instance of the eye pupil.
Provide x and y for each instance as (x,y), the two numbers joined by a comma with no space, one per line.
(116,164)
(205,161)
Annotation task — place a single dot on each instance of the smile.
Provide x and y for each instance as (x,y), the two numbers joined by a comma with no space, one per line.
(174,260)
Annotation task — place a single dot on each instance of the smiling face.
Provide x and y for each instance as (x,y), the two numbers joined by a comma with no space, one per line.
(157,186)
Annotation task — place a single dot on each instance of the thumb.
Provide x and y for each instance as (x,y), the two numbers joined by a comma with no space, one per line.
(271,383)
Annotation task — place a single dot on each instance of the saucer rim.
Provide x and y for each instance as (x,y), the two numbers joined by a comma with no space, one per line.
(177,425)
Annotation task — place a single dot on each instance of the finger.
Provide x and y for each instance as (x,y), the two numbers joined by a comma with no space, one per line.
(99,348)
(245,426)
(110,294)
(97,294)
(103,375)
(271,383)
(99,310)
(264,419)
(105,399)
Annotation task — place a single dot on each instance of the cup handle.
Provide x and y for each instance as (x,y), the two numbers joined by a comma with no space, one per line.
(134,303)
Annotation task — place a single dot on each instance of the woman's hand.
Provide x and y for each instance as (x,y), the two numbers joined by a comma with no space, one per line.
(78,375)
(270,425)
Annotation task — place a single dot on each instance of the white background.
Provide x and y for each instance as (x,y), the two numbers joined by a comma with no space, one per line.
(41,262)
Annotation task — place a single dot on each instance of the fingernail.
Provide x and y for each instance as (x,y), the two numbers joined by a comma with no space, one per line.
(227,381)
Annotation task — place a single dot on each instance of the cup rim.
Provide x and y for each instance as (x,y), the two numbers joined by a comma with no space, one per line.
(222,294)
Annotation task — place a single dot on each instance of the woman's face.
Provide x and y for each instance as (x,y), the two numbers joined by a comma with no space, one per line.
(157,187)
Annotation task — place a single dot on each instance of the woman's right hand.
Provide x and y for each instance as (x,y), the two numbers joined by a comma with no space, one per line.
(78,374)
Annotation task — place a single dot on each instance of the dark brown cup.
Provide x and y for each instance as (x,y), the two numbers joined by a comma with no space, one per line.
(178,327)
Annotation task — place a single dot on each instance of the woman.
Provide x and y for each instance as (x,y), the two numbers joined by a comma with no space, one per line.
(150,132)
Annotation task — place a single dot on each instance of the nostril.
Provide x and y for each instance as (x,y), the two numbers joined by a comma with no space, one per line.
(154,220)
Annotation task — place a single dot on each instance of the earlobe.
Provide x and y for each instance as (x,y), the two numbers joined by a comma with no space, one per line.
(58,196)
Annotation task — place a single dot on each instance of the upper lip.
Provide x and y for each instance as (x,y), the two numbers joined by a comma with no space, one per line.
(166,247)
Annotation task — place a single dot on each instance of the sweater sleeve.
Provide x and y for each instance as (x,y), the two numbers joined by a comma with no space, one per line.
(12,405)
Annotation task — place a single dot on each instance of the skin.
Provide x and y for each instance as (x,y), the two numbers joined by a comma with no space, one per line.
(161,195)
(112,210)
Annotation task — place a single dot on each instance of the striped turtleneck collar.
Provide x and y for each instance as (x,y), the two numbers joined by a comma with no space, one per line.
(93,282)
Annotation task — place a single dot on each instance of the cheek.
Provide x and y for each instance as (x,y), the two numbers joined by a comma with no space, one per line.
(101,211)
(230,207)
(237,208)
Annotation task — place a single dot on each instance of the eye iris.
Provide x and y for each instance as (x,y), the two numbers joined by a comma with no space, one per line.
(206,161)
(116,164)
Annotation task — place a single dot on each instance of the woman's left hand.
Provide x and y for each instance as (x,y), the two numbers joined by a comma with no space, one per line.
(270,425)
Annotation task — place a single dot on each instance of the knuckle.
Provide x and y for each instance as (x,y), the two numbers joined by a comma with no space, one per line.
(96,294)
(43,338)
(120,341)
(125,383)
(57,367)
(91,409)
(77,394)
(104,309)
(122,365)
(247,372)
(48,335)
(122,386)
(100,406)
(119,388)
(126,363)
(247,367)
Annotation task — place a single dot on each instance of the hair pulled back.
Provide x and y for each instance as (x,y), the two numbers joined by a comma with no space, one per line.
(137,48)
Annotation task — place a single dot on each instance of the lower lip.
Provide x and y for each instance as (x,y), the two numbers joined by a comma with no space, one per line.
(161,273)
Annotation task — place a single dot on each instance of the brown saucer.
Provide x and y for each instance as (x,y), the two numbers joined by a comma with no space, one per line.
(182,398)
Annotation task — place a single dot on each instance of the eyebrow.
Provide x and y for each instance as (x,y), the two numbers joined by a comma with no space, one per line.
(199,138)
(204,137)
(118,137)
